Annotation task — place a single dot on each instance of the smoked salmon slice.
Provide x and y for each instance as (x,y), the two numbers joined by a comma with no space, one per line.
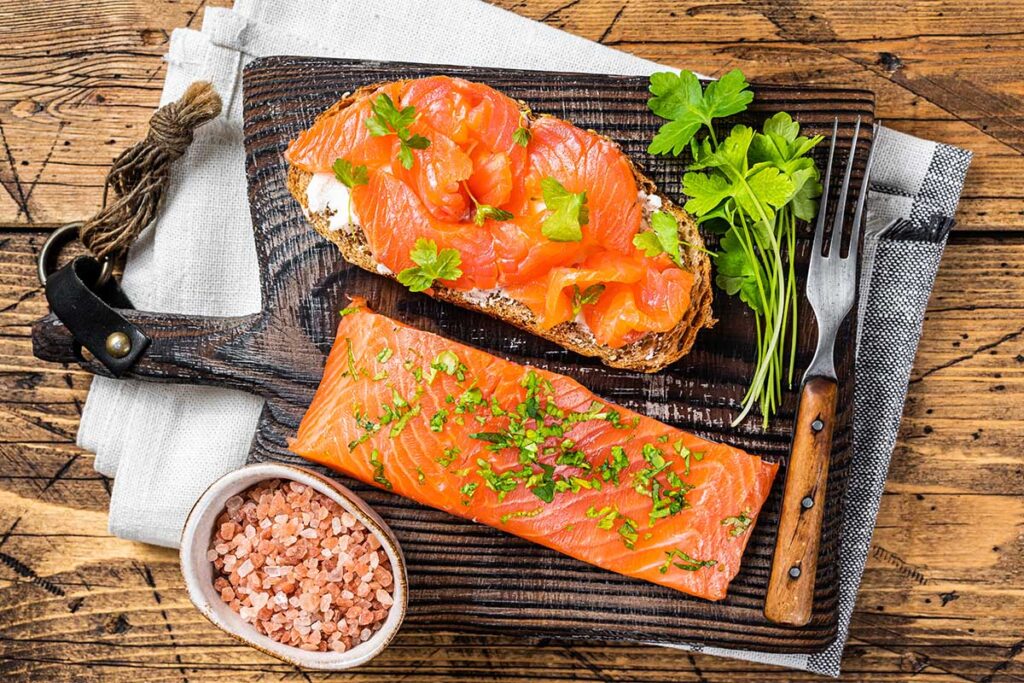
(475,185)
(532,453)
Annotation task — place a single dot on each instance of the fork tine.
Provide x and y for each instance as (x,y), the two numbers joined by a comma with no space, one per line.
(840,218)
(858,212)
(819,229)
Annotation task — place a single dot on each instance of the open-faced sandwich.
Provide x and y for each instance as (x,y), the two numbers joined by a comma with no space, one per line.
(457,190)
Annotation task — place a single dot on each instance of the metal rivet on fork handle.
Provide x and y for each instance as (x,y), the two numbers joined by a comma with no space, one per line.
(817,425)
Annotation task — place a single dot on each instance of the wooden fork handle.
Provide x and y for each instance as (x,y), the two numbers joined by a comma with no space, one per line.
(791,588)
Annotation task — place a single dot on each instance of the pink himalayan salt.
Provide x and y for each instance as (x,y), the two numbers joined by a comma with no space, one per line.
(299,568)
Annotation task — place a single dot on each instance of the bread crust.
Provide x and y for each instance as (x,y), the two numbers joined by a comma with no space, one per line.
(650,353)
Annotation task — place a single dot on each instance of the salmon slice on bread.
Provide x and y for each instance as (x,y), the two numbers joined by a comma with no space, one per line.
(644,311)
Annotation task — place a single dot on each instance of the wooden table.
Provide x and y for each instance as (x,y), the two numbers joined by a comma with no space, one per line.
(943,594)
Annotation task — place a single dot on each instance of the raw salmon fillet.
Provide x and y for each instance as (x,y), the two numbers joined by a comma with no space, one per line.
(533,453)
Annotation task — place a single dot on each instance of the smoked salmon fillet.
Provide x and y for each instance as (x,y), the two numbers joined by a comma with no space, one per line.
(538,222)
(533,453)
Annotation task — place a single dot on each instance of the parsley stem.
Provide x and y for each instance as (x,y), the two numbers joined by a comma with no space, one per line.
(762,368)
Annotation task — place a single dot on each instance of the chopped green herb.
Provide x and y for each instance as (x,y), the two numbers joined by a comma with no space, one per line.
(449,456)
(378,470)
(521,136)
(686,454)
(486,211)
(353,371)
(523,513)
(420,477)
(388,119)
(468,490)
(502,483)
(384,355)
(605,517)
(348,175)
(617,462)
(448,362)
(379,375)
(430,265)
(348,310)
(740,523)
(403,420)
(629,533)
(438,420)
(590,295)
(568,212)
(686,563)
(663,238)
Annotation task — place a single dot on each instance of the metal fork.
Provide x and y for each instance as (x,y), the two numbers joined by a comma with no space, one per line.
(831,287)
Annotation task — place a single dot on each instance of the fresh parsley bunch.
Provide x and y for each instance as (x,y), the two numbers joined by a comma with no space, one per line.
(751,187)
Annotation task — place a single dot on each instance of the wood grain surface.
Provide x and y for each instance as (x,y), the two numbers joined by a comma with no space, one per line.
(942,597)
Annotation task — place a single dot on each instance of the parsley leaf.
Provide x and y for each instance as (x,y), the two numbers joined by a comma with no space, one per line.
(679,98)
(485,211)
(388,118)
(590,295)
(737,272)
(522,136)
(349,175)
(569,212)
(663,237)
(430,265)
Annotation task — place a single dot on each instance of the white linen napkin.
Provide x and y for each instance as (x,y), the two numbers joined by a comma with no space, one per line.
(164,444)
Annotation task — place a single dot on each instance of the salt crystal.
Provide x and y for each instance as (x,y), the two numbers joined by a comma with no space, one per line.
(232,504)
(281,539)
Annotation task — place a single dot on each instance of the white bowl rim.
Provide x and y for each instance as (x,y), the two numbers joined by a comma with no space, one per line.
(195,540)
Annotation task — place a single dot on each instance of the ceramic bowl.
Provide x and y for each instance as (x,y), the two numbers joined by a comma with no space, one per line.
(198,571)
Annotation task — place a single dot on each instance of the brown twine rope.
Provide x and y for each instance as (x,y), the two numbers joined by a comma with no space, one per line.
(139,175)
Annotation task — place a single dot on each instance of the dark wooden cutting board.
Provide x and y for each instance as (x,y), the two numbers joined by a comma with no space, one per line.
(465,576)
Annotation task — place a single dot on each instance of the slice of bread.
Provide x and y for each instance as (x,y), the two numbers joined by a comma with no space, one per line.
(650,353)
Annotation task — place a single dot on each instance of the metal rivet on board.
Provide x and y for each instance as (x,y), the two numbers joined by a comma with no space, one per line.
(817,425)
(118,344)
(794,572)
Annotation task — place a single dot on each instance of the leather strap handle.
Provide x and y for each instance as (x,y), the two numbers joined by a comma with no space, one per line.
(182,349)
(790,596)
(87,309)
